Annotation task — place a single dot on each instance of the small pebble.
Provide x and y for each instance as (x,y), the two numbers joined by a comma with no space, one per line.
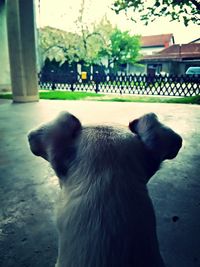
(175,218)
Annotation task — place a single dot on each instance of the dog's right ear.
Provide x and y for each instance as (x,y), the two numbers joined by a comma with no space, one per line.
(143,124)
(159,139)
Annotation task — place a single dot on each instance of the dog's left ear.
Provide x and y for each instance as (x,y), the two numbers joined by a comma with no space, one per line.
(159,139)
(55,135)
(64,127)
(55,141)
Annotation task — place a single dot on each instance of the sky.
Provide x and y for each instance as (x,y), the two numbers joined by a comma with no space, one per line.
(62,14)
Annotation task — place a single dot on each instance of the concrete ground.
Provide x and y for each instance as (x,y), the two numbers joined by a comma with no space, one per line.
(29,188)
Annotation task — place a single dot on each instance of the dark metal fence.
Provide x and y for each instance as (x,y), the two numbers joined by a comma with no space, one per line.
(163,85)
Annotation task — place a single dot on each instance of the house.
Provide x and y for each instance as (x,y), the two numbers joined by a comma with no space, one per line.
(155,43)
(150,45)
(175,59)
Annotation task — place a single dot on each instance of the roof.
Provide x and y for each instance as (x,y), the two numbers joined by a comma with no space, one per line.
(157,40)
(185,51)
(195,41)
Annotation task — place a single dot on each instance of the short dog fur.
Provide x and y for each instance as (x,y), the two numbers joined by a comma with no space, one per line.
(105,216)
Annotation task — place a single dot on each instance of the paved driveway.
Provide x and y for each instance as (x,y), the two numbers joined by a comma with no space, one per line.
(29,188)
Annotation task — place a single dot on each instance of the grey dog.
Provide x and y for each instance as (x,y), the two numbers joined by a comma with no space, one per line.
(105,216)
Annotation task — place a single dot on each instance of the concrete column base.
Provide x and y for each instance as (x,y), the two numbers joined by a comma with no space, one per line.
(25,99)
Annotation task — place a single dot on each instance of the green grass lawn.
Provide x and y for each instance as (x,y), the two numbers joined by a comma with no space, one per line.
(62,95)
(155,99)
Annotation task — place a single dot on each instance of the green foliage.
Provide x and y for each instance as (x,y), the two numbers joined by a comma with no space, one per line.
(124,48)
(93,37)
(92,47)
(72,47)
(97,40)
(60,45)
(185,11)
(91,44)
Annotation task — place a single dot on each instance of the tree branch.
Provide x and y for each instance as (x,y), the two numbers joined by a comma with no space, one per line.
(96,33)
(197,4)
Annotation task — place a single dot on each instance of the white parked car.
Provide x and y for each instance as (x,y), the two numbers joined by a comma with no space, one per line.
(193,71)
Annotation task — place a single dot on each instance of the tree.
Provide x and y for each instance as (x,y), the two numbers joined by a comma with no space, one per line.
(59,45)
(75,47)
(93,37)
(99,40)
(178,10)
(123,48)
(102,42)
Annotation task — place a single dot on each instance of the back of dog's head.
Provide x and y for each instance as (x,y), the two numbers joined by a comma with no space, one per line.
(105,216)
(70,147)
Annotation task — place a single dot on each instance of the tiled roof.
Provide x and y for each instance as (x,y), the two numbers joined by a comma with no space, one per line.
(195,41)
(156,40)
(191,50)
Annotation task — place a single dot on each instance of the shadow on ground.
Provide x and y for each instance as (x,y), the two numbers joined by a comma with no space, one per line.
(29,189)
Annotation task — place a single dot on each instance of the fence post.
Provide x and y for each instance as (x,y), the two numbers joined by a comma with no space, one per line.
(53,86)
(71,87)
(97,86)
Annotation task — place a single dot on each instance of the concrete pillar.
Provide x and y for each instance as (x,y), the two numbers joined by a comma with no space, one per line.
(5,83)
(21,43)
